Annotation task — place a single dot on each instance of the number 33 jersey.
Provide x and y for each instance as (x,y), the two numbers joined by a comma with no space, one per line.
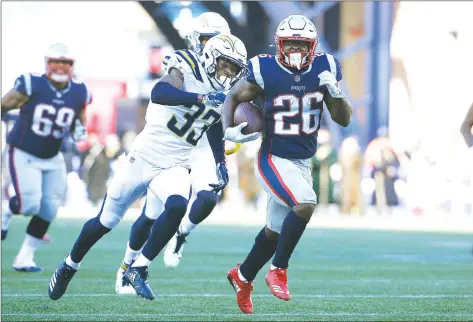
(47,115)
(172,132)
(293,103)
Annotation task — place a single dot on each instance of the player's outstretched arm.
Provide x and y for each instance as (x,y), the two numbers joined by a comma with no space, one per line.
(467,126)
(340,109)
(168,91)
(13,100)
(243,91)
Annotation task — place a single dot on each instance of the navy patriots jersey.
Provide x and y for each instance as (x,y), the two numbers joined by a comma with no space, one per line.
(292,102)
(47,115)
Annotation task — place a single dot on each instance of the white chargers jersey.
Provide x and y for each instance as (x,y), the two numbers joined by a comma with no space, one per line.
(172,132)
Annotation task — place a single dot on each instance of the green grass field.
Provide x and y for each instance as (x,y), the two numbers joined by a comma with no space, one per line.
(335,275)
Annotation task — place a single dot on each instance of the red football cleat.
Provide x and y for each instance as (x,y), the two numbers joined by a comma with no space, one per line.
(242,289)
(46,238)
(277,282)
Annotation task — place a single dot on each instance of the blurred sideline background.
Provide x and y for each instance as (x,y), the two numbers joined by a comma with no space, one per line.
(401,164)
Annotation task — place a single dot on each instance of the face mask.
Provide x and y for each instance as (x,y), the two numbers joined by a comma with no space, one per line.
(295,59)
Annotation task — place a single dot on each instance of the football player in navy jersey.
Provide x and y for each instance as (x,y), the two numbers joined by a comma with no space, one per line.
(293,85)
(51,105)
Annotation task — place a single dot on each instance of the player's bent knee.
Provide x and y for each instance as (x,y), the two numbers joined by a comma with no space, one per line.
(49,209)
(209,199)
(304,210)
(271,235)
(30,207)
(177,205)
(95,226)
(109,221)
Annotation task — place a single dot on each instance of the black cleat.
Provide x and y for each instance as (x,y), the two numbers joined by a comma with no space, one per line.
(4,234)
(60,280)
(138,278)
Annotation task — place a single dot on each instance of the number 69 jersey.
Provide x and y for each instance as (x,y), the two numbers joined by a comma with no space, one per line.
(172,132)
(293,103)
(47,114)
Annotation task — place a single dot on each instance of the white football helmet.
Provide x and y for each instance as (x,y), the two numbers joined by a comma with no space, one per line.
(300,28)
(208,24)
(59,53)
(229,49)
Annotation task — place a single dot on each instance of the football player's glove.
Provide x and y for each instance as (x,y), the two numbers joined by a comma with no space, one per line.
(213,99)
(234,134)
(80,132)
(222,176)
(329,80)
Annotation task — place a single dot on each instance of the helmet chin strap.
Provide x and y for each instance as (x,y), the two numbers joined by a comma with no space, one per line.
(295,60)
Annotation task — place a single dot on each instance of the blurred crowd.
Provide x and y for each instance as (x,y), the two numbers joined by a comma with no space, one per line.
(379,178)
(348,178)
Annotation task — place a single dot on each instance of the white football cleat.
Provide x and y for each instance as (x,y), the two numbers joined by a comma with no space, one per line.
(26,265)
(173,253)
(122,287)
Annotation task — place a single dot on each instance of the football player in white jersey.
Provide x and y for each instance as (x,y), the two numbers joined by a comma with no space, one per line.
(184,104)
(207,25)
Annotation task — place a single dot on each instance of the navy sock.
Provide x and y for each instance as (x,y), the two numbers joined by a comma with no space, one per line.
(262,251)
(165,226)
(202,206)
(292,229)
(37,227)
(140,231)
(92,231)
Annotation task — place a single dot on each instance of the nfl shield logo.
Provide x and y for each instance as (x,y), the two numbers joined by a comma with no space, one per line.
(297,78)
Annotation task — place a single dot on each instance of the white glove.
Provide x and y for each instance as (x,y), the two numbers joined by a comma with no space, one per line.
(234,134)
(80,132)
(328,79)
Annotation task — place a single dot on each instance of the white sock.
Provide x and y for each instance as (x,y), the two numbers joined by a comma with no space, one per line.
(71,263)
(141,261)
(30,244)
(186,226)
(130,254)
(240,276)
(273,267)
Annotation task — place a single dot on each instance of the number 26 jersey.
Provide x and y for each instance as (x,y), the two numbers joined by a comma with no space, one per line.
(293,103)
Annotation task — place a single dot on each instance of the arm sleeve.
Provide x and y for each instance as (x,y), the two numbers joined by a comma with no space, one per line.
(88,95)
(335,67)
(254,75)
(24,85)
(165,94)
(216,142)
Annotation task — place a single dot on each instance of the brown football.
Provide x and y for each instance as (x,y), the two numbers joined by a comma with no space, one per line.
(249,112)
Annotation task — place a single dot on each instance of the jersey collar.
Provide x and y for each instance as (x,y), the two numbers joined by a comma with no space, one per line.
(291,72)
(62,91)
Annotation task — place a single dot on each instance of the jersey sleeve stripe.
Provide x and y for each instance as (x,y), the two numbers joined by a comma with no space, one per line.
(28,88)
(196,64)
(332,64)
(257,71)
(166,59)
(88,99)
(189,59)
